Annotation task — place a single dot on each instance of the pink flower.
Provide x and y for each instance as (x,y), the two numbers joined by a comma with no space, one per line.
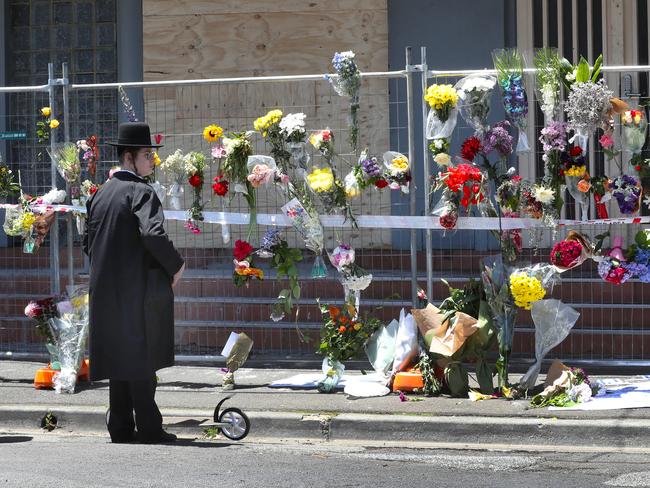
(606,141)
(261,175)
(284,179)
(218,151)
(33,310)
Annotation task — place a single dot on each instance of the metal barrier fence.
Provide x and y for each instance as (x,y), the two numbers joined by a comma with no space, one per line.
(613,324)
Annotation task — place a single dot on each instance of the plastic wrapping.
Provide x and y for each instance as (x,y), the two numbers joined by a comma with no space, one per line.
(380,348)
(406,343)
(553,321)
(635,128)
(310,228)
(474,93)
(333,371)
(237,350)
(441,129)
(582,198)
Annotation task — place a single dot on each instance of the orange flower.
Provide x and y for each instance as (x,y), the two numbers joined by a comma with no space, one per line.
(342,329)
(334,312)
(584,186)
(352,311)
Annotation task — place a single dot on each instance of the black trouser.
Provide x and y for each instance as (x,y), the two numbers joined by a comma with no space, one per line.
(125,397)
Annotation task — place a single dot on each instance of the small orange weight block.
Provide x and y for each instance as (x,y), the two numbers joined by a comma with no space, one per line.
(43,378)
(408,380)
(83,374)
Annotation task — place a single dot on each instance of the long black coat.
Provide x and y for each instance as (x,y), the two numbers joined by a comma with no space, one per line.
(132,262)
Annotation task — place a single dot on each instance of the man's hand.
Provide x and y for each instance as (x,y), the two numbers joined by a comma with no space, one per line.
(177,276)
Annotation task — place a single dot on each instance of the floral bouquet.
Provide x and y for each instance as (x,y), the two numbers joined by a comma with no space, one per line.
(343,337)
(614,270)
(462,186)
(441,121)
(283,260)
(88,189)
(347,84)
(244,254)
(497,140)
(323,142)
(602,195)
(7,184)
(175,168)
(195,165)
(553,138)
(353,277)
(639,256)
(509,64)
(571,388)
(369,172)
(549,81)
(587,108)
(574,169)
(89,154)
(495,276)
(292,130)
(626,190)
(238,148)
(530,284)
(41,311)
(308,225)
(545,197)
(70,332)
(269,126)
(474,92)
(567,254)
(440,150)
(635,128)
(67,163)
(398,171)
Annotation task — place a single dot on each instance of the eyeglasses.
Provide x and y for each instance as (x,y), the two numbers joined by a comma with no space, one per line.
(149,155)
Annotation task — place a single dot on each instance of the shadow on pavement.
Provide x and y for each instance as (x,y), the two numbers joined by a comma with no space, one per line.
(13,439)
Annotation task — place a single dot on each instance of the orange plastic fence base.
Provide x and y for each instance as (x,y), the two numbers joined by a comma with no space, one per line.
(43,376)
(408,380)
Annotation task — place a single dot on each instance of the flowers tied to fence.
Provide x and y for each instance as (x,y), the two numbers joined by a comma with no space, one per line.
(245,270)
(441,120)
(347,84)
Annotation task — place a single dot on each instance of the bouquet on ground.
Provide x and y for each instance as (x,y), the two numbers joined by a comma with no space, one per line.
(67,163)
(195,165)
(626,190)
(509,64)
(70,333)
(343,337)
(474,93)
(8,186)
(574,170)
(245,270)
(353,277)
(635,128)
(307,224)
(41,311)
(569,389)
(283,260)
(174,167)
(238,148)
(89,154)
(532,283)
(462,186)
(588,103)
(347,84)
(443,111)
(398,171)
(549,81)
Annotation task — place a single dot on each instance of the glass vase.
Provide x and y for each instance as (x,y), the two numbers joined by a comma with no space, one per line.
(333,371)
(505,323)
(319,270)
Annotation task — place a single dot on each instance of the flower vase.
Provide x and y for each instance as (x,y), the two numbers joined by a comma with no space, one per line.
(319,270)
(333,371)
(352,296)
(582,198)
(175,194)
(29,244)
(159,190)
(54,356)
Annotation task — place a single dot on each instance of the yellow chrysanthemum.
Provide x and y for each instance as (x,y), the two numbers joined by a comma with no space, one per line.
(321,180)
(212,133)
(28,221)
(46,111)
(526,290)
(54,124)
(261,124)
(576,171)
(400,164)
(156,159)
(441,96)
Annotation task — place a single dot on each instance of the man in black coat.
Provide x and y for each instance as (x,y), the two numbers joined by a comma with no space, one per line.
(133,267)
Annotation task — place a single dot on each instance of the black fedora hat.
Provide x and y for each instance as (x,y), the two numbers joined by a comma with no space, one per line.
(134,134)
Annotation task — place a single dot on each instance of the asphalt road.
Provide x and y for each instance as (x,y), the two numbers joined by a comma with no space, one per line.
(36,459)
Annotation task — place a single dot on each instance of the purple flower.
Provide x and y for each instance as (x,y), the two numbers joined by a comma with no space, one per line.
(635,269)
(271,238)
(370,167)
(553,137)
(498,138)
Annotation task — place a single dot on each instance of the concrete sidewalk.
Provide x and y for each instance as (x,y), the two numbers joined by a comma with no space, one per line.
(188,395)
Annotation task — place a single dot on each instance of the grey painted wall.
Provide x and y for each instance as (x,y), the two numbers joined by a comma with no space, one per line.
(459,34)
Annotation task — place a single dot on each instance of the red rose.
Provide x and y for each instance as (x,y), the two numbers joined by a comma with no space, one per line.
(242,250)
(448,221)
(575,151)
(195,180)
(158,138)
(637,167)
(220,187)
(381,184)
(470,148)
(92,190)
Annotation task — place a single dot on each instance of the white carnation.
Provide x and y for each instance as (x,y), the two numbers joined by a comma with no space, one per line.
(292,123)
(544,195)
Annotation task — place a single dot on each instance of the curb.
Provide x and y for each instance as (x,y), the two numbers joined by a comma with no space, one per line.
(322,427)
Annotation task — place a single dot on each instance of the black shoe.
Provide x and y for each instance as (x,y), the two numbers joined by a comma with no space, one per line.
(123,439)
(162,438)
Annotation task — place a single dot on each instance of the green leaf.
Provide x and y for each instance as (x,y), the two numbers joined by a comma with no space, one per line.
(582,75)
(284,294)
(296,292)
(596,71)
